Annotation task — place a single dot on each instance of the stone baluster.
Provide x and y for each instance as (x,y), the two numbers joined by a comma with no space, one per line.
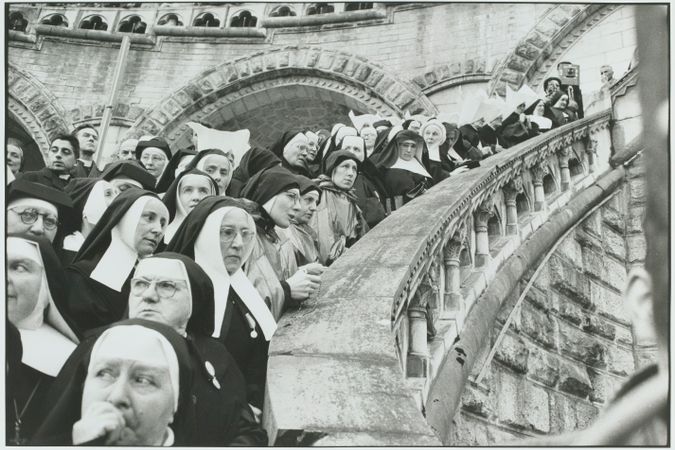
(591,153)
(564,161)
(538,172)
(511,191)
(481,217)
(418,350)
(453,281)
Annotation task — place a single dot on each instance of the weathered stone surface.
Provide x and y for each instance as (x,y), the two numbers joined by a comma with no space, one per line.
(571,312)
(635,218)
(604,386)
(637,190)
(539,326)
(509,398)
(535,408)
(582,346)
(574,379)
(600,327)
(467,431)
(569,281)
(614,243)
(585,414)
(614,219)
(593,224)
(621,361)
(637,247)
(624,335)
(543,367)
(513,353)
(571,250)
(476,402)
(608,303)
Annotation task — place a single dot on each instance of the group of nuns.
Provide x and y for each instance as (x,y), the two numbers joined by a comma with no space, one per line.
(142,299)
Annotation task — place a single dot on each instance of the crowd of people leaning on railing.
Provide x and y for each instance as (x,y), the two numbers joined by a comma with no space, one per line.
(142,296)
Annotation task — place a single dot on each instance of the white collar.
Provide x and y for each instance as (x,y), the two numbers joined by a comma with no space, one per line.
(45,349)
(412,165)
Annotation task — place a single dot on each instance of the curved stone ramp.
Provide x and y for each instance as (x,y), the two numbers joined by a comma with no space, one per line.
(335,373)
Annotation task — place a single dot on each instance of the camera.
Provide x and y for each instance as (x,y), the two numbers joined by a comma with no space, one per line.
(569,74)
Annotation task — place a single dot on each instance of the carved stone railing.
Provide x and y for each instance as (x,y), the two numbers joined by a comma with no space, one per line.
(354,365)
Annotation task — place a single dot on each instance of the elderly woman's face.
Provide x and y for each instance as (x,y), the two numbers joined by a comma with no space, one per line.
(406,149)
(35,217)
(137,388)
(151,227)
(312,149)
(24,277)
(355,149)
(369,135)
(237,233)
(432,136)
(154,160)
(193,190)
(160,292)
(220,169)
(286,205)
(296,152)
(14,157)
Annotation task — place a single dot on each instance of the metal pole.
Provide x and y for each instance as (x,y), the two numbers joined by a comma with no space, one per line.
(112,99)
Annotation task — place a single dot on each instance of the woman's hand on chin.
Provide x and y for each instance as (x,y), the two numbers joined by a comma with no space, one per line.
(100,419)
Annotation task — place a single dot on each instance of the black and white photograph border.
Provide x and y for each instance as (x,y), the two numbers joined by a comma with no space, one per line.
(434,224)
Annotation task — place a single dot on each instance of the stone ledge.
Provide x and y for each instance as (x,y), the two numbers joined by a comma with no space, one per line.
(95,35)
(247,32)
(322,19)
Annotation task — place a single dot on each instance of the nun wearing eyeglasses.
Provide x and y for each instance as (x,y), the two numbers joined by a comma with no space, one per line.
(339,221)
(130,229)
(183,195)
(36,291)
(39,211)
(131,387)
(242,320)
(91,197)
(272,267)
(154,154)
(292,149)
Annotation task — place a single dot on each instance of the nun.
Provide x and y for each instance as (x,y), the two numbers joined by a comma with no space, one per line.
(292,149)
(172,289)
(401,168)
(434,134)
(131,387)
(177,164)
(339,221)
(272,266)
(537,114)
(312,151)
(131,228)
(91,197)
(218,164)
(242,320)
(39,211)
(524,128)
(368,188)
(36,290)
(301,235)
(335,142)
(254,161)
(183,195)
(369,135)
(128,174)
(154,155)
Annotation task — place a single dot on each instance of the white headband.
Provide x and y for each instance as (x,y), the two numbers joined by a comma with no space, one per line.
(96,205)
(352,140)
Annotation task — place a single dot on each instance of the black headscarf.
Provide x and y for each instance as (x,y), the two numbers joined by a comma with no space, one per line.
(170,198)
(79,189)
(98,241)
(130,169)
(69,386)
(380,141)
(68,218)
(335,158)
(268,183)
(169,173)
(203,154)
(382,123)
(306,185)
(156,143)
(389,155)
(255,160)
(278,149)
(201,292)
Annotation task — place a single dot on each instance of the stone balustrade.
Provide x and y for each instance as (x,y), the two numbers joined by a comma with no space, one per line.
(354,365)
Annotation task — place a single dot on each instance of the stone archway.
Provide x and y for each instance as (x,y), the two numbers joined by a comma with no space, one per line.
(557,30)
(34,109)
(226,93)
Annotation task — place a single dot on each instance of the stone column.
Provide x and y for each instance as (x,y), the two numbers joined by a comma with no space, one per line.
(591,148)
(418,350)
(452,297)
(481,217)
(564,160)
(538,173)
(511,191)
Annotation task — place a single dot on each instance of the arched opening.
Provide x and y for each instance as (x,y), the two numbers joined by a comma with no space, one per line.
(576,169)
(465,264)
(522,207)
(549,185)
(132,24)
(357,6)
(282,11)
(243,20)
(320,8)
(55,20)
(94,22)
(16,22)
(170,20)
(207,20)
(494,230)
(32,156)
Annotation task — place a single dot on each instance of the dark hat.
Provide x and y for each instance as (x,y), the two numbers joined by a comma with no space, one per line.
(156,143)
(335,158)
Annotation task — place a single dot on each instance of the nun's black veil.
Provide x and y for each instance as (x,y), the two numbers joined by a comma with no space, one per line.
(170,198)
(130,169)
(254,161)
(169,174)
(67,390)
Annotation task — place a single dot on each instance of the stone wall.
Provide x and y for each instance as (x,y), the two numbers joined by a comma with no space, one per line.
(570,343)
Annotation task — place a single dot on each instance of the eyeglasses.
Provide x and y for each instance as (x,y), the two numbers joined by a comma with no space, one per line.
(153,158)
(30,216)
(229,234)
(164,288)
